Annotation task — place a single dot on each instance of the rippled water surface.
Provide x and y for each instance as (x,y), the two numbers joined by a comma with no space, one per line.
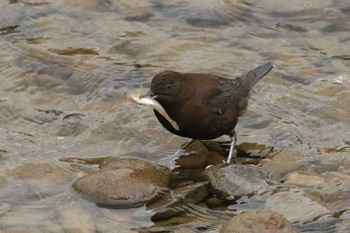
(65,65)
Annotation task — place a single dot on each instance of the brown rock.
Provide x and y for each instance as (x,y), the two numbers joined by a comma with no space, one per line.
(282,163)
(229,180)
(304,180)
(76,220)
(45,178)
(292,204)
(125,182)
(181,197)
(258,221)
(197,155)
(215,158)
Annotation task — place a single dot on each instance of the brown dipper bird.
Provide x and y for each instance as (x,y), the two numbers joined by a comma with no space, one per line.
(204,106)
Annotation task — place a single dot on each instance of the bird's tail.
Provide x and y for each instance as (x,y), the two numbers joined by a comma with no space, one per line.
(253,76)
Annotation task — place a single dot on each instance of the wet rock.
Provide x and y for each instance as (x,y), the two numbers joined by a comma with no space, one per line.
(42,178)
(184,230)
(343,226)
(216,146)
(214,202)
(252,149)
(72,125)
(76,220)
(282,163)
(26,216)
(11,14)
(177,201)
(118,189)
(194,156)
(180,175)
(157,174)
(332,188)
(304,180)
(291,27)
(120,217)
(334,191)
(71,129)
(247,153)
(4,208)
(293,203)
(129,48)
(173,225)
(139,17)
(258,221)
(124,182)
(206,22)
(6,189)
(47,227)
(215,158)
(251,153)
(232,180)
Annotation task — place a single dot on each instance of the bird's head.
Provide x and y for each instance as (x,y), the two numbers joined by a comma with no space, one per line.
(166,87)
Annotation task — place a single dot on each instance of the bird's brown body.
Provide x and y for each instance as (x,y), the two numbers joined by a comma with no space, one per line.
(204,106)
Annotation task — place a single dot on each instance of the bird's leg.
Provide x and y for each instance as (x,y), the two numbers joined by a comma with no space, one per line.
(232,152)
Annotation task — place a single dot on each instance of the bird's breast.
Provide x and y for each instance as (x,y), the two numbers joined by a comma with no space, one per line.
(198,121)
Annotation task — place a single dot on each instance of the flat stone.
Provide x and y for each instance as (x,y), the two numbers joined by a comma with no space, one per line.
(215,158)
(258,221)
(334,191)
(4,208)
(195,155)
(343,226)
(45,178)
(7,188)
(76,219)
(124,182)
(293,205)
(236,179)
(282,163)
(26,216)
(156,174)
(304,180)
(45,227)
(178,200)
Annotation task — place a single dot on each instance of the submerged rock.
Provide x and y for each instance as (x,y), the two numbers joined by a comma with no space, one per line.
(45,179)
(4,208)
(26,216)
(7,188)
(76,219)
(44,227)
(194,156)
(296,206)
(179,200)
(282,163)
(304,180)
(232,180)
(124,182)
(258,221)
(344,226)
(330,187)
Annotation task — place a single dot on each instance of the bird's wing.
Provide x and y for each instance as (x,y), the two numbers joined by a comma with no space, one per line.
(224,94)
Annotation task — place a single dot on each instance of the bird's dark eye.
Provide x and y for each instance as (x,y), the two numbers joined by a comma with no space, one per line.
(168,86)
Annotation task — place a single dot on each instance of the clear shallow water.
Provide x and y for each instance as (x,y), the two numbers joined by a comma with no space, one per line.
(65,65)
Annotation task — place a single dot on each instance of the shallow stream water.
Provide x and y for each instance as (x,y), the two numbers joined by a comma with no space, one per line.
(65,64)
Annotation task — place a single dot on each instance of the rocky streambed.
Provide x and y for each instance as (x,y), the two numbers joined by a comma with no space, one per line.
(261,191)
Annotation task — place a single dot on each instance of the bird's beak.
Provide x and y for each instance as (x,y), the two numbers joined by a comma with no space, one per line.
(149,93)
